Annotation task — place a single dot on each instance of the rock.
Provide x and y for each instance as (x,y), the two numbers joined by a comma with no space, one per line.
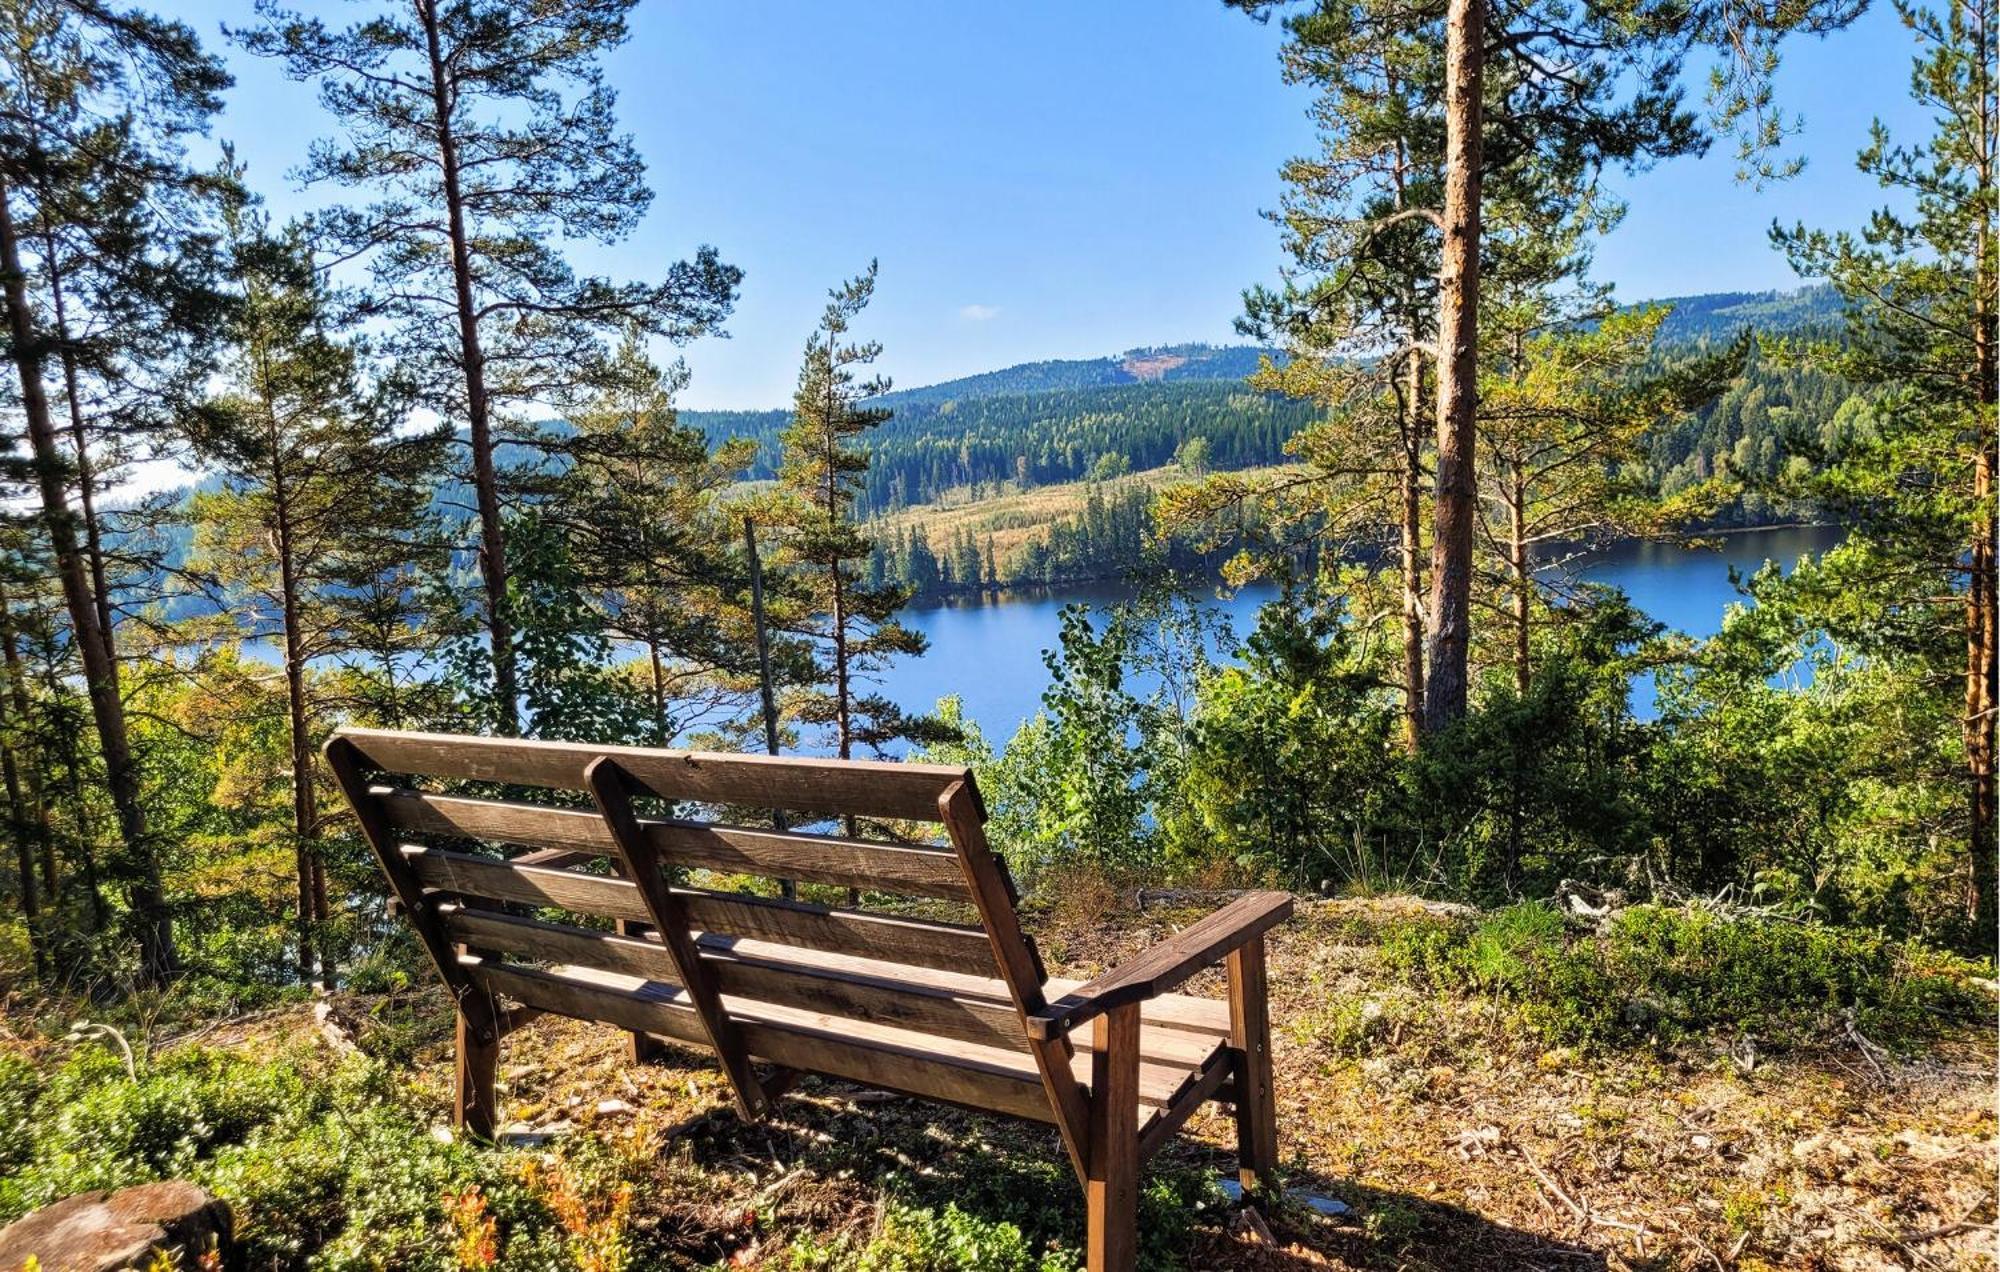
(612,1108)
(107,1232)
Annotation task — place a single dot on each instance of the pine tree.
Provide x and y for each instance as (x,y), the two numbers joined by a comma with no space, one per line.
(851,624)
(322,499)
(639,507)
(95,195)
(1544,93)
(1916,577)
(487,133)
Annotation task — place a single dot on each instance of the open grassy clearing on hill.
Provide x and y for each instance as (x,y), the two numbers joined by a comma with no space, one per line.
(1455,1137)
(1013,517)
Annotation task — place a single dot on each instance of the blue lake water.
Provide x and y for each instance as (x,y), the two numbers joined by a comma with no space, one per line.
(989,651)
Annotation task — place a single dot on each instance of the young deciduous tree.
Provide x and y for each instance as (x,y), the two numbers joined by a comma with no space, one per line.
(487,135)
(1916,577)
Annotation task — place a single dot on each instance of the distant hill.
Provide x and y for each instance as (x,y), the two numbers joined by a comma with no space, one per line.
(1164,364)
(1715,316)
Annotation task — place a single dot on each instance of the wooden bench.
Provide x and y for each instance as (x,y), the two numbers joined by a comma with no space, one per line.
(586,923)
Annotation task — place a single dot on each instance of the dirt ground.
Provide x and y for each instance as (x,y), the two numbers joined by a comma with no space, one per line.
(1453,1141)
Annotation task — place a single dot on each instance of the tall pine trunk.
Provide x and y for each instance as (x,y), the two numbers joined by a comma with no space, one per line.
(1449,644)
(1412,477)
(145,892)
(20,827)
(305,813)
(17,695)
(86,476)
(1982,594)
(485,480)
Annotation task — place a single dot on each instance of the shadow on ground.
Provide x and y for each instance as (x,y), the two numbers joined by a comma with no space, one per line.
(832,1168)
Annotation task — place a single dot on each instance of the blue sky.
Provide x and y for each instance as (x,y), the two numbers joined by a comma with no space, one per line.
(1041,178)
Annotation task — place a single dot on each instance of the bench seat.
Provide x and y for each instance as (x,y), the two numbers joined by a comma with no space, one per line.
(1167,1056)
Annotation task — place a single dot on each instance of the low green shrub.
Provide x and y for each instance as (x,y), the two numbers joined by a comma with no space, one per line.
(1673,972)
(323,1164)
(1015,1218)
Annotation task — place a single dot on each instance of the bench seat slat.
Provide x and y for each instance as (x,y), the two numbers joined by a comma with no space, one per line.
(967,1008)
(913,870)
(865,788)
(945,946)
(910,1063)
(899,1059)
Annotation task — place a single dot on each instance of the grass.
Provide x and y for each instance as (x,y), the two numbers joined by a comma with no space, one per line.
(1014,518)
(1413,1088)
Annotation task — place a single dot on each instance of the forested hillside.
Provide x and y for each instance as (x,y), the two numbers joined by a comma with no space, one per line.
(1046,423)
(1039,439)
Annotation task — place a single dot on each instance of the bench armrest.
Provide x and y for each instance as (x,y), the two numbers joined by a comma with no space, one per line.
(1167,964)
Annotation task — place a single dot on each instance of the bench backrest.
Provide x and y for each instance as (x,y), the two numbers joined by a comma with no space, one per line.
(455,850)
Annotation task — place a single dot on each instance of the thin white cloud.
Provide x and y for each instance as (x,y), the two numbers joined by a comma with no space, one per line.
(978,313)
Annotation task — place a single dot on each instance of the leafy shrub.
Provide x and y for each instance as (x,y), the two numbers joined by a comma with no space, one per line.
(1672,972)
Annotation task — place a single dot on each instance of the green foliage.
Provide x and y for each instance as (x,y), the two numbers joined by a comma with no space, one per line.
(562,653)
(1091,778)
(1822,796)
(324,1164)
(1667,973)
(1289,759)
(920,1240)
(1042,436)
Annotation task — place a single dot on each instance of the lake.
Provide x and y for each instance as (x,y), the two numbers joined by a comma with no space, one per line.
(988,651)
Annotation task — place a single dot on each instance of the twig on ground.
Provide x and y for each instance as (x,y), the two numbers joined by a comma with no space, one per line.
(1868,1048)
(1949,1230)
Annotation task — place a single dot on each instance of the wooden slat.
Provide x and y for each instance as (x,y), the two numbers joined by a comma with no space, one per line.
(860,787)
(406,885)
(893,1060)
(830,859)
(1201,1086)
(590,993)
(1019,963)
(1207,1016)
(1111,1176)
(945,946)
(966,1008)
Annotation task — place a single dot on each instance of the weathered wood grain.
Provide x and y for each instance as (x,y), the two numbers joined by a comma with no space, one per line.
(865,788)
(831,859)
(944,946)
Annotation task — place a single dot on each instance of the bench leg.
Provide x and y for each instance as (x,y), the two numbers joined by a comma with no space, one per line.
(641,1047)
(476,1110)
(1111,1191)
(1250,1035)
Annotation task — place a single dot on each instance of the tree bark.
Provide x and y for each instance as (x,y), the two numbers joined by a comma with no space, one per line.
(1412,477)
(145,893)
(767,690)
(1518,566)
(1982,594)
(86,478)
(1445,687)
(485,480)
(305,814)
(17,693)
(20,829)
